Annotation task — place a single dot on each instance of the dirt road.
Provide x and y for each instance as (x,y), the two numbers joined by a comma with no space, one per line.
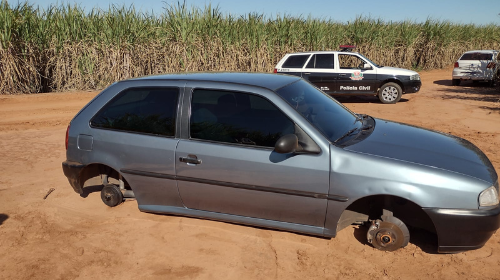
(67,236)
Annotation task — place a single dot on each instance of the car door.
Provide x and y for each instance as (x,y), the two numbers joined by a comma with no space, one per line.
(353,78)
(135,133)
(320,71)
(227,164)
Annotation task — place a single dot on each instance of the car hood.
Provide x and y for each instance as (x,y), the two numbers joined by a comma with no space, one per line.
(395,71)
(431,148)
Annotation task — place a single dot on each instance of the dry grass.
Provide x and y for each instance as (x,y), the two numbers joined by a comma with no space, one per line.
(63,48)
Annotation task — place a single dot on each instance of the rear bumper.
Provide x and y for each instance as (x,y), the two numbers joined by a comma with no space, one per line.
(72,171)
(472,78)
(412,86)
(461,230)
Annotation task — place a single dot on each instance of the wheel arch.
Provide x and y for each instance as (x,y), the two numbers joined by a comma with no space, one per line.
(371,207)
(391,80)
(96,169)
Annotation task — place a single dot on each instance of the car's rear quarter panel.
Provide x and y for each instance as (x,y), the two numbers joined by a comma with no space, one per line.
(129,151)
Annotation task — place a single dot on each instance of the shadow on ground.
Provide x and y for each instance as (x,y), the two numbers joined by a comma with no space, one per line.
(472,91)
(91,189)
(423,239)
(3,217)
(462,84)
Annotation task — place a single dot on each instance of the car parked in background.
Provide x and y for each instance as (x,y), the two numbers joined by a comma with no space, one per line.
(274,151)
(476,66)
(350,73)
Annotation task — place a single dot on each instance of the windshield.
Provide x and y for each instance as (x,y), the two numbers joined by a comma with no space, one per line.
(374,64)
(325,113)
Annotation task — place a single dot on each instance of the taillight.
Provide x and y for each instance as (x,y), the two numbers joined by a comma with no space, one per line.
(67,136)
(491,65)
(275,70)
(456,65)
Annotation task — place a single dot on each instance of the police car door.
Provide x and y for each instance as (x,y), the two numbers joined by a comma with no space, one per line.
(354,77)
(320,71)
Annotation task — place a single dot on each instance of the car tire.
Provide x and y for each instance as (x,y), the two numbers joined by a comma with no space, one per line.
(111,195)
(390,93)
(455,82)
(389,234)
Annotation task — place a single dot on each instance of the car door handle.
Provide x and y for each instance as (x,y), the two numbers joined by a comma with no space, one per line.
(190,159)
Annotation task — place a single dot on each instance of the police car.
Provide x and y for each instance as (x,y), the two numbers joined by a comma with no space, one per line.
(350,73)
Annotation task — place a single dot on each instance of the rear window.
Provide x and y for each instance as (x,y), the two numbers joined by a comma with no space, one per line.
(142,110)
(477,56)
(295,61)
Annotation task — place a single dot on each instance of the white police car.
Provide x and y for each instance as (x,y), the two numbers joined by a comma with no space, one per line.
(350,73)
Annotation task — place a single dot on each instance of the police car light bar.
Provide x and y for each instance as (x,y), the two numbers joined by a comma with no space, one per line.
(347,48)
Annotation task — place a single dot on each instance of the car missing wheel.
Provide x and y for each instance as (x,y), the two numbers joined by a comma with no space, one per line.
(274,151)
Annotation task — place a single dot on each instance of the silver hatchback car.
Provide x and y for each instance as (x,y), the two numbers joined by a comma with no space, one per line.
(274,151)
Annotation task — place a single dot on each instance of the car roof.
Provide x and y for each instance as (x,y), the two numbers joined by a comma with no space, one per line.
(265,80)
(481,51)
(316,52)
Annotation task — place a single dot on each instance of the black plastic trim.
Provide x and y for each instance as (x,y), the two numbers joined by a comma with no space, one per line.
(411,86)
(149,174)
(463,229)
(72,171)
(236,185)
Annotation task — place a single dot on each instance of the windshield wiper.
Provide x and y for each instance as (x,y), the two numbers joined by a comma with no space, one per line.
(350,132)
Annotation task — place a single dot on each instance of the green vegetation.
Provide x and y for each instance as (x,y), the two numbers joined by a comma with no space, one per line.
(63,47)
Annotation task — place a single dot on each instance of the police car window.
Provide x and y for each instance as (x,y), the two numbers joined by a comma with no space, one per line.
(324,61)
(295,61)
(347,61)
(238,118)
(311,62)
(143,110)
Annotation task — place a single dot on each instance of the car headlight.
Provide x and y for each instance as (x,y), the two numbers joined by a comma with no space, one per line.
(415,77)
(488,197)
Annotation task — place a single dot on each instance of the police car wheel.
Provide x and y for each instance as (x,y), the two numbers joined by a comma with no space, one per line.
(390,93)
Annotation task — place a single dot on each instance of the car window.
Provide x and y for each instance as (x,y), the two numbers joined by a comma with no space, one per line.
(295,61)
(321,110)
(477,56)
(321,61)
(143,110)
(235,117)
(347,61)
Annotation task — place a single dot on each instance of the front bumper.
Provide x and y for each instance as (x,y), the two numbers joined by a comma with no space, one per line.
(72,171)
(461,230)
(412,86)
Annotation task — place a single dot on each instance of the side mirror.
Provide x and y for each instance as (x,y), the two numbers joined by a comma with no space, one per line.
(287,144)
(367,66)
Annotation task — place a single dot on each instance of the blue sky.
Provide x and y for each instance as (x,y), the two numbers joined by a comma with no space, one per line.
(457,11)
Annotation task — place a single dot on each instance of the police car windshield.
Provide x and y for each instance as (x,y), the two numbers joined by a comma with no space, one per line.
(374,64)
(329,116)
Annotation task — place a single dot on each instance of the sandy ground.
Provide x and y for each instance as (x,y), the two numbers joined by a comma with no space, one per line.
(67,236)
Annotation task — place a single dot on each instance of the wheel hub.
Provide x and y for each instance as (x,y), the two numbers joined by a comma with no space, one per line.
(385,236)
(390,93)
